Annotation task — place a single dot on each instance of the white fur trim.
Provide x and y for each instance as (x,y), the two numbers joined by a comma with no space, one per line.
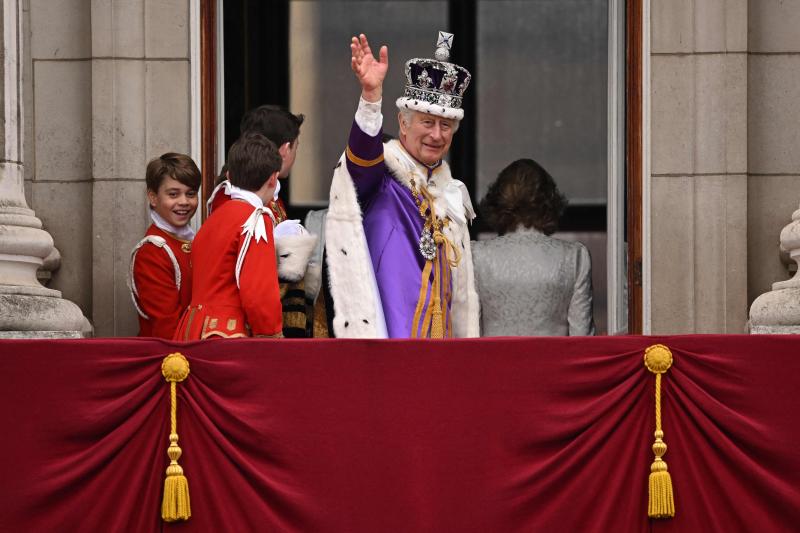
(294,252)
(405,102)
(358,312)
(159,242)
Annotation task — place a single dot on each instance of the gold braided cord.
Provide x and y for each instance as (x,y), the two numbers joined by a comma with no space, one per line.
(175,504)
(423,292)
(661,503)
(173,407)
(436,318)
(658,402)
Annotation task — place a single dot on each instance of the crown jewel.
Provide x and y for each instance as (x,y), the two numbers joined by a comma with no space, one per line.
(436,86)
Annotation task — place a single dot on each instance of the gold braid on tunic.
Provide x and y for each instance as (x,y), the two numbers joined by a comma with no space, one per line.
(436,323)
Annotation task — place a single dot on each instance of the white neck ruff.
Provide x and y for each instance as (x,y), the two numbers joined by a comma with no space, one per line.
(185,233)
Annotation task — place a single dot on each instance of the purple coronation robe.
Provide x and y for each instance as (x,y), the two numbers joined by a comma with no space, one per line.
(392,226)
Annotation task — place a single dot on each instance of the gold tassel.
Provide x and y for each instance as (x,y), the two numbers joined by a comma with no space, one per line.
(175,505)
(437,331)
(435,318)
(661,504)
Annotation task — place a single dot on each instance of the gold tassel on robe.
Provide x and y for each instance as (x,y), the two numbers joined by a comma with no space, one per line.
(175,505)
(661,504)
(436,318)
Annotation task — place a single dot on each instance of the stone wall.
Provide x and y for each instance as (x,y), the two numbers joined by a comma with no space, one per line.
(773,119)
(725,78)
(699,165)
(108,89)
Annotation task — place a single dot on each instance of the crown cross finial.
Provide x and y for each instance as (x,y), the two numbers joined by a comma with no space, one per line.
(443,45)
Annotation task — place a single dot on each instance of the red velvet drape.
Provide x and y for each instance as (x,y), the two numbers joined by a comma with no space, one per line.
(549,434)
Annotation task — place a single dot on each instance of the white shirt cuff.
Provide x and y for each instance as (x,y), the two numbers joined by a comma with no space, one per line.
(369,117)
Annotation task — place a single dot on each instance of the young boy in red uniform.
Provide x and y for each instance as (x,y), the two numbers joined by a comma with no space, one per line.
(161,273)
(235,284)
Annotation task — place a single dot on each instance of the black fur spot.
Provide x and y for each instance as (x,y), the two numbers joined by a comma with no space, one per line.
(365,321)
(338,164)
(346,324)
(344,251)
(284,256)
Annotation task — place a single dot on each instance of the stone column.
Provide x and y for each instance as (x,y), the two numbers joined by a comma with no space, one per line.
(778,311)
(27,309)
(699,165)
(773,137)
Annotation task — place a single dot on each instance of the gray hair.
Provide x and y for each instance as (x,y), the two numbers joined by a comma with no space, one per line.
(406,114)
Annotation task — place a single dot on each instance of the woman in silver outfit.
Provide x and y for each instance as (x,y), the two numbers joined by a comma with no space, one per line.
(530,283)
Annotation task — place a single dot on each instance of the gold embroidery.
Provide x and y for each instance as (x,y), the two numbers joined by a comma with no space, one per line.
(231,324)
(362,162)
(186,247)
(213,323)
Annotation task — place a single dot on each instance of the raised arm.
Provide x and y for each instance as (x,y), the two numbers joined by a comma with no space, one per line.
(364,147)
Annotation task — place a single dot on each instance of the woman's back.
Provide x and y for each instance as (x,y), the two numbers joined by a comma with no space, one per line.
(532,284)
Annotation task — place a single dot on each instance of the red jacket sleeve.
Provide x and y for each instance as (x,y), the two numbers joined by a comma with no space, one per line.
(154,275)
(258,286)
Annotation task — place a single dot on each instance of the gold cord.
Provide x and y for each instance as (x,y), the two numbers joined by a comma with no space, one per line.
(175,505)
(436,318)
(661,503)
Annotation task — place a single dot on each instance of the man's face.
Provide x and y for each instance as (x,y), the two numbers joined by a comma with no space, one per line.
(174,201)
(288,152)
(427,138)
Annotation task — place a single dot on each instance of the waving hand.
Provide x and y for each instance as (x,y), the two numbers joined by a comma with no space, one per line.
(369,71)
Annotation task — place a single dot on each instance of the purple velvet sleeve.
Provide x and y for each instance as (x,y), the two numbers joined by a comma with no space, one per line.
(365,163)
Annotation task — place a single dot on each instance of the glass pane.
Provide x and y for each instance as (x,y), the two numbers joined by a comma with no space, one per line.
(323,87)
(542,91)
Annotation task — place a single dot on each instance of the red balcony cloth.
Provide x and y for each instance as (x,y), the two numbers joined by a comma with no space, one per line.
(546,434)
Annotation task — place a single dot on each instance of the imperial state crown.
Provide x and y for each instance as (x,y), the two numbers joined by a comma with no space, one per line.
(436,86)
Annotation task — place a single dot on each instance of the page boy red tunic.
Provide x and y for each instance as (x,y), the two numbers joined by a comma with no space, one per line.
(154,276)
(219,307)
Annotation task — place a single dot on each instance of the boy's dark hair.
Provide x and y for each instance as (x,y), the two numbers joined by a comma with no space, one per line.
(252,160)
(273,122)
(523,194)
(222,176)
(172,165)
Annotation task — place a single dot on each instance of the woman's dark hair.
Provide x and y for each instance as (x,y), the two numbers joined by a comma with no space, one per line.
(252,160)
(523,194)
(273,122)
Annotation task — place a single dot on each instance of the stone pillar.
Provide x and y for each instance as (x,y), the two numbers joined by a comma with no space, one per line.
(27,309)
(778,311)
(140,108)
(699,165)
(774,139)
